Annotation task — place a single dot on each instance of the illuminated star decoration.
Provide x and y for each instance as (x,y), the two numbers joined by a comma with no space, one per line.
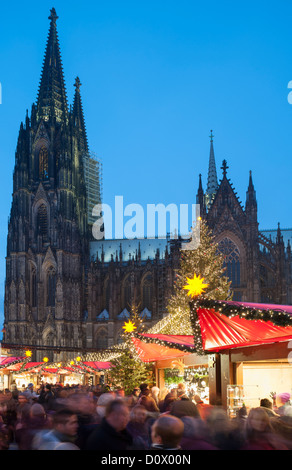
(28,353)
(129,327)
(195,286)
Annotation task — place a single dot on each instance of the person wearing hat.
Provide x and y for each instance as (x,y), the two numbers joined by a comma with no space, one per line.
(102,402)
(36,422)
(284,404)
(143,387)
(31,393)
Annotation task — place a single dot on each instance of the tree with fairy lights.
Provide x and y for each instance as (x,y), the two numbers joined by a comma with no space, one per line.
(201,273)
(128,371)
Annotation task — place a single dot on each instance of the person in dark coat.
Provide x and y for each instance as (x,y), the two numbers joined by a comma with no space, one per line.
(139,427)
(48,398)
(166,433)
(112,434)
(36,423)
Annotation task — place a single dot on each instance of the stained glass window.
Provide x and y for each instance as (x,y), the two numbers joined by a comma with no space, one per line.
(147,292)
(231,253)
(127,293)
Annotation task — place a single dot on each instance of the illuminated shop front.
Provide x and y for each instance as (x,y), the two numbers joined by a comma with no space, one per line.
(20,371)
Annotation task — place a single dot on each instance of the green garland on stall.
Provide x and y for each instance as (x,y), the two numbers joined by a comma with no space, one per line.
(166,343)
(278,316)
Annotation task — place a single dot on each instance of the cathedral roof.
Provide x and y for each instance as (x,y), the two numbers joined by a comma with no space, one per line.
(272,235)
(129,248)
(225,197)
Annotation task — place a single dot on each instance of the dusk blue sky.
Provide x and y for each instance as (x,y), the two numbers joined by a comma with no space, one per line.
(156,77)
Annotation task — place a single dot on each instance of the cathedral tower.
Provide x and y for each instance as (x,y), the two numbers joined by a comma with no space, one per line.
(48,236)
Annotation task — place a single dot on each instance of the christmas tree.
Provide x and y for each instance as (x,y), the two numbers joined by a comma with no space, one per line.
(201,265)
(128,371)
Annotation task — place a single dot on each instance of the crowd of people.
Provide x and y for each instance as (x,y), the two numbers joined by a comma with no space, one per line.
(99,418)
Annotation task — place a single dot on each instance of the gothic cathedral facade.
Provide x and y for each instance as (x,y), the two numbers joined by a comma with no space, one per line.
(65,290)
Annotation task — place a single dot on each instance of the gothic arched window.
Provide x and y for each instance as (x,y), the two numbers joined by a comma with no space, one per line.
(43,163)
(127,293)
(231,254)
(42,220)
(49,339)
(51,287)
(101,339)
(147,292)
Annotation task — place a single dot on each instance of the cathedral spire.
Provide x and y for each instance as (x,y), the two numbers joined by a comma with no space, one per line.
(250,194)
(224,167)
(212,183)
(78,118)
(200,199)
(251,201)
(52,98)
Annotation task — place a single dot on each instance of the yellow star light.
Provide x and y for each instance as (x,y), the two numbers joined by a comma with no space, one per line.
(195,286)
(129,327)
(45,359)
(28,353)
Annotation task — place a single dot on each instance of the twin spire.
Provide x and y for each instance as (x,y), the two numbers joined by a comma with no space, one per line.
(212,183)
(52,97)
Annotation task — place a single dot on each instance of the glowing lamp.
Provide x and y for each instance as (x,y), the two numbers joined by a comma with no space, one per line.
(195,286)
(129,327)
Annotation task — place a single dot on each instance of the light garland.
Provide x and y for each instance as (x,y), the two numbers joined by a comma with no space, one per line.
(277,317)
(16,361)
(165,343)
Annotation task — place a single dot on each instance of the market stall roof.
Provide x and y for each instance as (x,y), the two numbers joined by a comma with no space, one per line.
(230,324)
(259,306)
(16,364)
(151,348)
(9,362)
(220,325)
(98,365)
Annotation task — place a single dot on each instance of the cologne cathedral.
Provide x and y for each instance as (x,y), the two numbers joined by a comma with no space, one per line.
(65,290)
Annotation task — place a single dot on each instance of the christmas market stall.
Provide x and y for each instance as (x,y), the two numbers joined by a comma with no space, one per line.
(242,350)
(21,371)
(175,361)
(249,343)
